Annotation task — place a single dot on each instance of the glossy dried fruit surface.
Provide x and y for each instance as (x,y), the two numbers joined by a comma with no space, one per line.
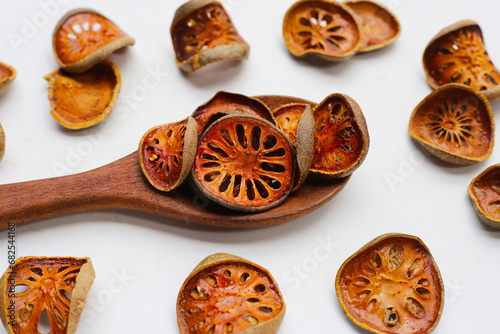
(84,37)
(7,75)
(457,54)
(58,285)
(227,294)
(484,191)
(341,137)
(81,100)
(324,28)
(392,285)
(244,163)
(455,123)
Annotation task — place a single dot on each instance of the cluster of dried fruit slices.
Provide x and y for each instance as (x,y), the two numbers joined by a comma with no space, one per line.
(7,75)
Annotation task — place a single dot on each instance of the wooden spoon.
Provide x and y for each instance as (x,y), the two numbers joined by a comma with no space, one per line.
(121,185)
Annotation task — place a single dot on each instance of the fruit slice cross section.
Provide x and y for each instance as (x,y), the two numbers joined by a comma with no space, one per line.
(484,190)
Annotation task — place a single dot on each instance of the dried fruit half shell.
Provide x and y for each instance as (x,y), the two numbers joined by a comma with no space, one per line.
(484,190)
(81,100)
(2,142)
(84,37)
(223,102)
(391,285)
(457,54)
(454,123)
(380,25)
(167,153)
(245,163)
(56,285)
(203,33)
(341,137)
(323,28)
(228,294)
(7,75)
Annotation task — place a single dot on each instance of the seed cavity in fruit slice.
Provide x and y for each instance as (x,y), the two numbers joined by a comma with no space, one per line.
(380,25)
(167,153)
(341,137)
(203,33)
(404,294)
(457,54)
(55,285)
(323,28)
(454,123)
(2,142)
(238,296)
(84,37)
(81,100)
(244,163)
(7,75)
(484,190)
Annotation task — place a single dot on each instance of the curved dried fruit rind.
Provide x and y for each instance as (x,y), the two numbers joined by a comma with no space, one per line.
(457,54)
(84,37)
(167,153)
(81,100)
(202,33)
(2,142)
(455,123)
(391,285)
(380,25)
(484,191)
(58,285)
(238,297)
(323,28)
(7,75)
(244,163)
(341,137)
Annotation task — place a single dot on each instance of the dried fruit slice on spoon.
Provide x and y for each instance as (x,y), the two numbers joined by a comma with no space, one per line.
(484,190)
(7,75)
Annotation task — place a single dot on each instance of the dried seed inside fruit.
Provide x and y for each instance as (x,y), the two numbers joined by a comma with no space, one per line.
(484,190)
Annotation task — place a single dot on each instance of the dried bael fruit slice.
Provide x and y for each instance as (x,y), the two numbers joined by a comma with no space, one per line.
(202,33)
(7,75)
(323,28)
(2,142)
(392,285)
(341,137)
(84,37)
(228,294)
(245,163)
(81,100)
(457,54)
(56,285)
(167,153)
(484,191)
(380,25)
(454,123)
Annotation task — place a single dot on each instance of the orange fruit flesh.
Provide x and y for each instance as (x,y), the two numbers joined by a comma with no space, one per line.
(287,119)
(5,73)
(487,193)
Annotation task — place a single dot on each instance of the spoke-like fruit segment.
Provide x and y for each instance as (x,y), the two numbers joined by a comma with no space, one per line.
(83,38)
(484,190)
(341,137)
(202,33)
(228,294)
(223,102)
(455,123)
(244,163)
(457,54)
(167,153)
(81,100)
(324,28)
(2,142)
(58,285)
(380,26)
(7,75)
(392,285)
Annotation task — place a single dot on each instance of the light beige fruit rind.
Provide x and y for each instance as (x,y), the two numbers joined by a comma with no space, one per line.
(304,145)
(4,84)
(495,223)
(2,142)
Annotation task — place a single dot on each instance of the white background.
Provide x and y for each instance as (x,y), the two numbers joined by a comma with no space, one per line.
(142,260)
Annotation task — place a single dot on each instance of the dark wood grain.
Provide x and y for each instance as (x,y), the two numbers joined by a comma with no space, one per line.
(121,185)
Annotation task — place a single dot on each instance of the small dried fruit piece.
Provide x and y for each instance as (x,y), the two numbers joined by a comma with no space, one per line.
(457,54)
(84,37)
(484,190)
(454,123)
(341,137)
(202,33)
(228,294)
(81,100)
(244,163)
(57,285)
(391,285)
(2,142)
(167,153)
(7,75)
(380,25)
(323,28)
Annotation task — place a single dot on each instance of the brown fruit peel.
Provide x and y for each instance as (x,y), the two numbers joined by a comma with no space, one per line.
(2,142)
(7,75)
(484,191)
(81,100)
